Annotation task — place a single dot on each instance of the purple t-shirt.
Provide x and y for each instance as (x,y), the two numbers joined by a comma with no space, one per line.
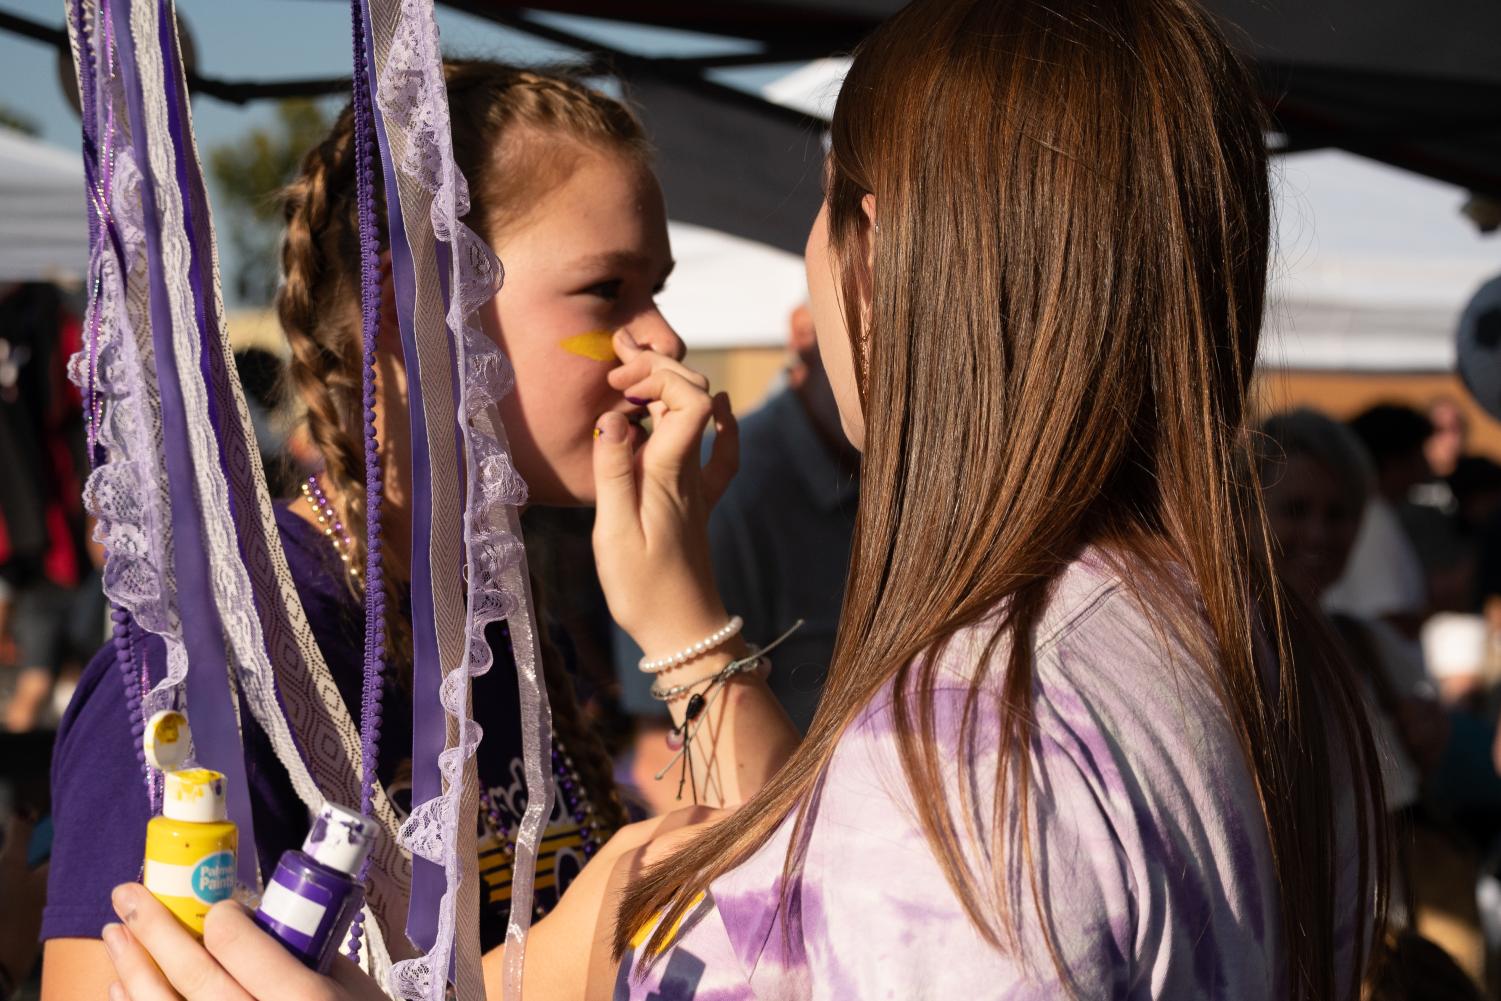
(1151,855)
(99,799)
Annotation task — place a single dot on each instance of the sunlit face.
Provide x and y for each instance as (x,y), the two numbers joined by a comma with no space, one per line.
(587,261)
(1313,520)
(829,323)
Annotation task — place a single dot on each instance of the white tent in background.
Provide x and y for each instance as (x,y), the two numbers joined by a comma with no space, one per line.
(726,292)
(44,229)
(729,292)
(1372,265)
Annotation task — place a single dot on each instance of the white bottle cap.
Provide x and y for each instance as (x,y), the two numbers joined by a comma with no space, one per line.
(340,838)
(195,795)
(168,741)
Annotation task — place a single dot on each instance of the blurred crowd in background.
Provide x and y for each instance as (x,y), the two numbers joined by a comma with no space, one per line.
(1388,522)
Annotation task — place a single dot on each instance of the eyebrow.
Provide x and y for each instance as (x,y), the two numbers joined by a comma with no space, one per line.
(620,260)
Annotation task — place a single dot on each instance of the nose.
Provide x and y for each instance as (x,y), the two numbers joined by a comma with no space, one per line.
(651,330)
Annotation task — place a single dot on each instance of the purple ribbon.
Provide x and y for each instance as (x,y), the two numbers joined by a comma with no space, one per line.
(429,722)
(210,701)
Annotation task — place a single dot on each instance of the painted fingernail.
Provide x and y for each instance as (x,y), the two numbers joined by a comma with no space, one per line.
(597,433)
(637,401)
(613,431)
(121,897)
(114,938)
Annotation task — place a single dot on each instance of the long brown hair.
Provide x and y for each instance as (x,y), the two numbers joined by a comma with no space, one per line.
(516,132)
(1053,345)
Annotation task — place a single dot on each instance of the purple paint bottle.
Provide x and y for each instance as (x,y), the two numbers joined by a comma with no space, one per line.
(314,894)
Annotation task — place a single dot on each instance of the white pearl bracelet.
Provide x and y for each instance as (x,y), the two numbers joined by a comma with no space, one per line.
(713,641)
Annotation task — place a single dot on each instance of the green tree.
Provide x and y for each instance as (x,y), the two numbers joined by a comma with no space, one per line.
(250,172)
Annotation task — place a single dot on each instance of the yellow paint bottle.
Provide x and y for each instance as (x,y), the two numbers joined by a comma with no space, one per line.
(190,848)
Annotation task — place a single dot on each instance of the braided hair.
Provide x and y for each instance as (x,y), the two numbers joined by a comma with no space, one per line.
(499,115)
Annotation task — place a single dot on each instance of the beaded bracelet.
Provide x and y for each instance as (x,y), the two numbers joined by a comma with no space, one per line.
(713,641)
(680,738)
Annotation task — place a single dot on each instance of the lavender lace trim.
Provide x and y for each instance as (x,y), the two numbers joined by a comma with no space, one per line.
(93,60)
(126,493)
(413,99)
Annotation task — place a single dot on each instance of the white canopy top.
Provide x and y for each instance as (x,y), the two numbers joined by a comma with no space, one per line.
(1372,268)
(44,230)
(1372,265)
(728,292)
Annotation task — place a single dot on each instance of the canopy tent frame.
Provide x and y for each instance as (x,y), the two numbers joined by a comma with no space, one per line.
(1414,125)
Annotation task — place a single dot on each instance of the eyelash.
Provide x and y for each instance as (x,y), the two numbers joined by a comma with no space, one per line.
(610,290)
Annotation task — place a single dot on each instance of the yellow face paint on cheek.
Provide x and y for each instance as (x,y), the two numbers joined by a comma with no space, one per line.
(596,345)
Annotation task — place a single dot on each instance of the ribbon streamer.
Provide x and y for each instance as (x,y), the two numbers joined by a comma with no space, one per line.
(193,553)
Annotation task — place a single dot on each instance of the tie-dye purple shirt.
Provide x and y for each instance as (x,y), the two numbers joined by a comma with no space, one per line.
(1150,852)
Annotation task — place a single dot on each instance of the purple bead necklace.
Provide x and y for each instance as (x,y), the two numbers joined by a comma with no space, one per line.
(571,784)
(333,528)
(567,780)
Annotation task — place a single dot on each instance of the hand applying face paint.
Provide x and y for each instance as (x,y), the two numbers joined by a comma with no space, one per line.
(651,527)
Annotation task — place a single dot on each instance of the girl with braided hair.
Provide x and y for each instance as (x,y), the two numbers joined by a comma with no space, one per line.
(560,184)
(1080,738)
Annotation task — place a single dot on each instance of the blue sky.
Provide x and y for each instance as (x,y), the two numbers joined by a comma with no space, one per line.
(288,39)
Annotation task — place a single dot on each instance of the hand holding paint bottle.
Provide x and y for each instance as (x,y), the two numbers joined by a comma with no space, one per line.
(315,893)
(190,848)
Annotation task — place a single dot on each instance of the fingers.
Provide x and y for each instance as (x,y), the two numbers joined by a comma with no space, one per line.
(674,389)
(637,363)
(180,957)
(355,982)
(614,477)
(680,409)
(140,980)
(257,961)
(724,454)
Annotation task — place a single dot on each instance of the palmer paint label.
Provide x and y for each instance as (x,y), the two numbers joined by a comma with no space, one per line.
(209,880)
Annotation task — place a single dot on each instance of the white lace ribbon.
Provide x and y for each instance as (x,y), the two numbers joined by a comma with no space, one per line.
(128,497)
(412,99)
